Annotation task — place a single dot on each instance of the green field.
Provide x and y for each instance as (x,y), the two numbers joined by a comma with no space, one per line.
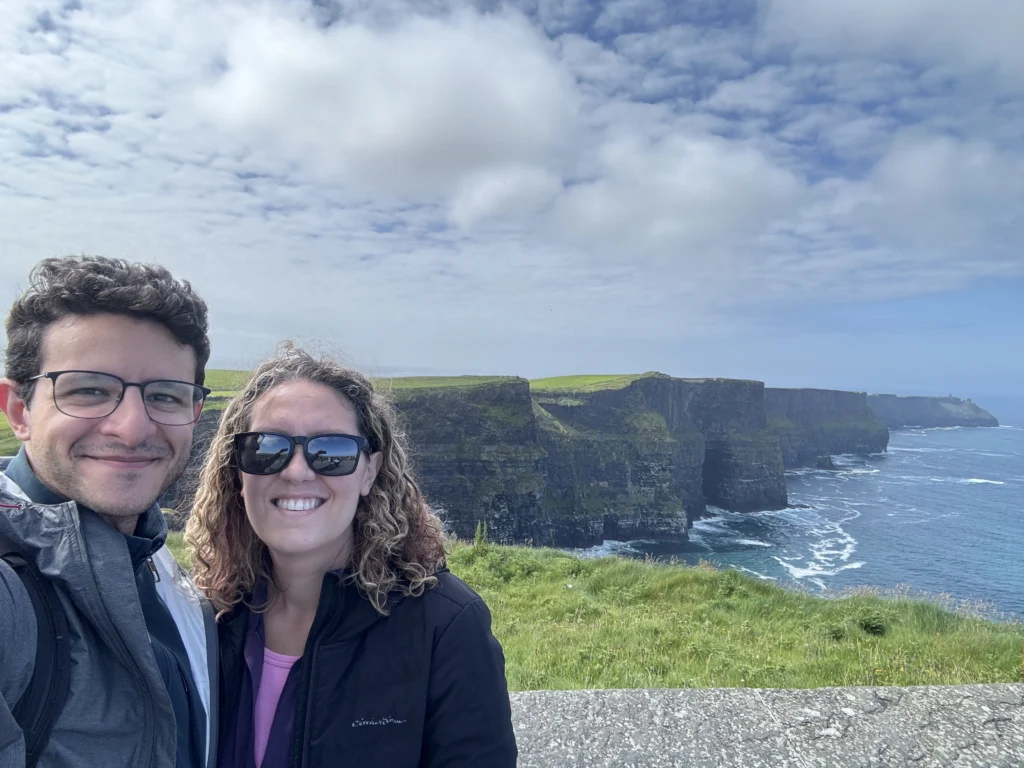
(9,444)
(226,382)
(584,383)
(568,623)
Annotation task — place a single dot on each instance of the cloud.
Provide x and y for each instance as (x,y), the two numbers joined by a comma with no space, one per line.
(409,111)
(679,199)
(961,38)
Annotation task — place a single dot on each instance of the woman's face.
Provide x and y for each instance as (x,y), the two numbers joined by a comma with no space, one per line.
(297,512)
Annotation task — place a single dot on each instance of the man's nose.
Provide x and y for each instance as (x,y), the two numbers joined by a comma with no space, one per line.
(130,422)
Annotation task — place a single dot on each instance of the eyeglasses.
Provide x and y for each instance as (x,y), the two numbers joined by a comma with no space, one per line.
(94,395)
(267,453)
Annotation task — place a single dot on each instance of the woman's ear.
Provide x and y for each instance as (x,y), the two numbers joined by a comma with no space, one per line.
(373,465)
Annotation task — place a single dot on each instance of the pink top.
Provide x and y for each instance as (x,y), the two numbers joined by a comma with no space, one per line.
(276,667)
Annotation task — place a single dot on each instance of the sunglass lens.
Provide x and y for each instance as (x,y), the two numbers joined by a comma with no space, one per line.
(333,455)
(263,454)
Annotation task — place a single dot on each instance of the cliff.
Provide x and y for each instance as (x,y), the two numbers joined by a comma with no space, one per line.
(899,412)
(641,456)
(814,423)
(617,468)
(476,453)
(179,496)
(743,467)
(576,460)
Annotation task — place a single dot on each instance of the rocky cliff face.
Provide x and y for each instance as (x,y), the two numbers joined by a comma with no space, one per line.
(898,412)
(477,456)
(573,465)
(743,468)
(814,423)
(617,467)
(179,496)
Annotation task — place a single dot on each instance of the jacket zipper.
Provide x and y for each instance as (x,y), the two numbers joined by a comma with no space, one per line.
(120,647)
(327,603)
(307,726)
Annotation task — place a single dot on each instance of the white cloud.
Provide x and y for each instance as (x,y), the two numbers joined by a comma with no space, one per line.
(981,36)
(514,191)
(679,199)
(764,91)
(408,110)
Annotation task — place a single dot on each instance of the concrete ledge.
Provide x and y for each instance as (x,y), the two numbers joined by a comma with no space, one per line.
(962,726)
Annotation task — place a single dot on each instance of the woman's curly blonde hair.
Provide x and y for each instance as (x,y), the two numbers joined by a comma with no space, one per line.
(398,541)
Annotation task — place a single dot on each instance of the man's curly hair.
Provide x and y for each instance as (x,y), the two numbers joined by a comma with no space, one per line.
(97,285)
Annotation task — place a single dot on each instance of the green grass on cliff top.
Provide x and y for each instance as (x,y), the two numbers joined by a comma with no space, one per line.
(438,382)
(569,623)
(585,383)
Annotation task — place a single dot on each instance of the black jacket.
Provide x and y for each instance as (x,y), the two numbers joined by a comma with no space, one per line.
(423,687)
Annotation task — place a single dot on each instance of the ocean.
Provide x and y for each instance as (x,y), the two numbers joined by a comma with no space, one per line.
(940,515)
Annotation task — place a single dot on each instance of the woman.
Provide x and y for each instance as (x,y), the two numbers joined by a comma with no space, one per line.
(344,639)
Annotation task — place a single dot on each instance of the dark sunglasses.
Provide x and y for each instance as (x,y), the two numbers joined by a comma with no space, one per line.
(267,453)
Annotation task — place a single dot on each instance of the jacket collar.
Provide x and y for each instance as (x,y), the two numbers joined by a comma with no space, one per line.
(352,613)
(150,530)
(21,472)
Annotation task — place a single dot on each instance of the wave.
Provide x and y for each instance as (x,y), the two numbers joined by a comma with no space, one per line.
(900,449)
(966,481)
(752,542)
(761,576)
(709,525)
(607,549)
(815,571)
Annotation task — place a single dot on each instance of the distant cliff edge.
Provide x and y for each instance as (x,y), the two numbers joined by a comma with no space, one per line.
(815,423)
(899,412)
(577,460)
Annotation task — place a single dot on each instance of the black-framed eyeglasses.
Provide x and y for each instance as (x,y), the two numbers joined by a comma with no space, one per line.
(95,395)
(267,453)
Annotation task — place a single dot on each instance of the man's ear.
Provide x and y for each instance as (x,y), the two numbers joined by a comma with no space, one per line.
(17,411)
(373,467)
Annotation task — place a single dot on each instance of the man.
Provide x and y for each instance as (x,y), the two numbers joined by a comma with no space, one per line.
(104,366)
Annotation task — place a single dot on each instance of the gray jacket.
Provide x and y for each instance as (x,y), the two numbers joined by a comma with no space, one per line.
(118,713)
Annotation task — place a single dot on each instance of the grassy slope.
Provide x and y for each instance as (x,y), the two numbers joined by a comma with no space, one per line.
(567,623)
(437,382)
(584,383)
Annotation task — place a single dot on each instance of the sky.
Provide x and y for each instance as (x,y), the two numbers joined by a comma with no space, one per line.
(806,193)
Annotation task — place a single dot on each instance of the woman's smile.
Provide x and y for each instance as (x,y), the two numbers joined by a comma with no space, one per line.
(298,503)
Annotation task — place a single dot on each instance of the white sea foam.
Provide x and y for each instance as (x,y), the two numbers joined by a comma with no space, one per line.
(761,576)
(814,571)
(608,548)
(708,525)
(966,481)
(752,542)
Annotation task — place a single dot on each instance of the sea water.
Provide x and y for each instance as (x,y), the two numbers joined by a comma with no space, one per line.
(941,514)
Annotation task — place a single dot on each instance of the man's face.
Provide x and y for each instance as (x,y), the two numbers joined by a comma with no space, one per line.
(120,464)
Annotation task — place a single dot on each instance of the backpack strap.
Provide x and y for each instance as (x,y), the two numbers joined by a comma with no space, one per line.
(41,703)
